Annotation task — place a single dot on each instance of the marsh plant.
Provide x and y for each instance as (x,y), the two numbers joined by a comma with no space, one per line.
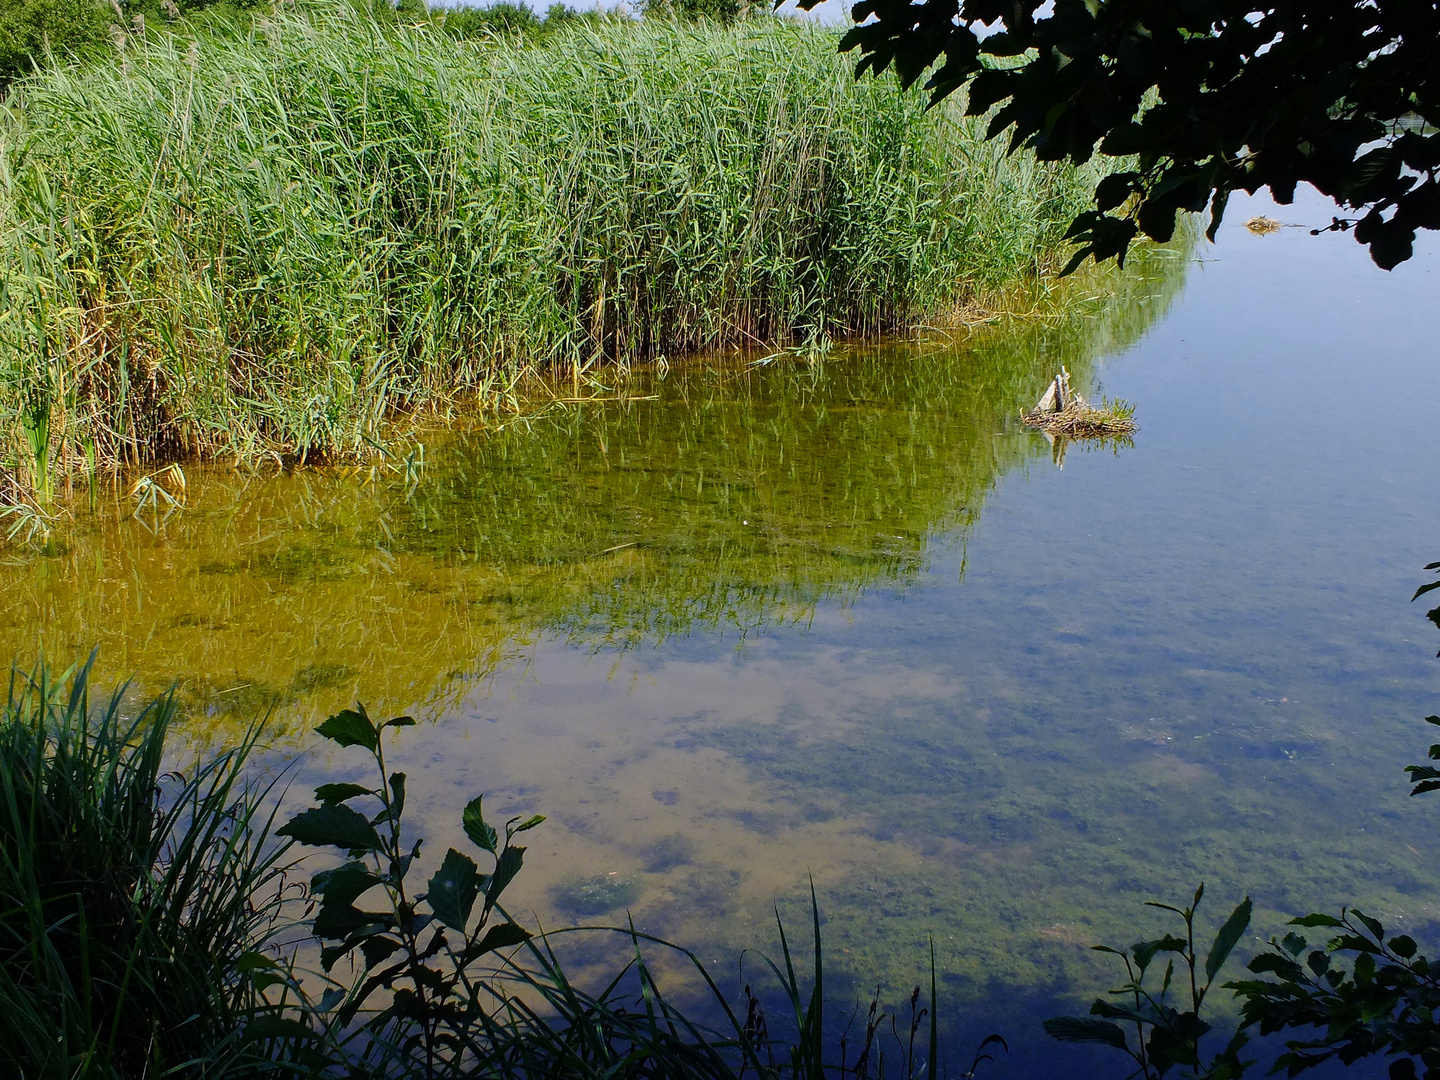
(135,899)
(269,242)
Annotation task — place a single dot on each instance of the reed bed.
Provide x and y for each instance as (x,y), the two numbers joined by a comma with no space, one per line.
(270,244)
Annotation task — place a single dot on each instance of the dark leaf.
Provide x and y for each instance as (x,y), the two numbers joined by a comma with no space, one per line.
(344,884)
(332,825)
(1225,941)
(453,890)
(1082,1029)
(1316,918)
(397,795)
(338,793)
(337,921)
(377,948)
(506,867)
(483,835)
(500,936)
(351,728)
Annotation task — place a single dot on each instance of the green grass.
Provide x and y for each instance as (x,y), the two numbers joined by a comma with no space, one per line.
(131,898)
(270,244)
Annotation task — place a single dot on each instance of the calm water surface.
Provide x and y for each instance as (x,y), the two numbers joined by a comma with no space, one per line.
(848,618)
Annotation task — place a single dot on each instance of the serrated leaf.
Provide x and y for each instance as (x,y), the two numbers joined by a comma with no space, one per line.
(352,727)
(529,823)
(344,884)
(332,825)
(338,793)
(1373,925)
(1081,1029)
(337,921)
(333,954)
(1226,940)
(473,819)
(453,890)
(500,936)
(506,867)
(377,948)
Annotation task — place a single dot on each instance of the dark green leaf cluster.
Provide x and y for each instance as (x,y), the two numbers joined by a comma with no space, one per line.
(1166,1033)
(1384,1003)
(1206,96)
(416,949)
(31,29)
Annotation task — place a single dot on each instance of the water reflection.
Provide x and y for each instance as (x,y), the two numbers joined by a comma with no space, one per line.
(845,617)
(727,496)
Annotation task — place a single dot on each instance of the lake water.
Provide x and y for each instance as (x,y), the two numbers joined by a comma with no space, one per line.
(844,616)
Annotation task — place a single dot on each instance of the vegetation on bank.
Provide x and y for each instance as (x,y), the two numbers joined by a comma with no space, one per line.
(265,244)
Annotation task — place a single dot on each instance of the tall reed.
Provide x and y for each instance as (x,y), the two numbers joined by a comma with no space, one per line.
(269,243)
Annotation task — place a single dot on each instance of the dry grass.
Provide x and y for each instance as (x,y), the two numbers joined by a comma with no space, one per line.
(1081,420)
(1263,226)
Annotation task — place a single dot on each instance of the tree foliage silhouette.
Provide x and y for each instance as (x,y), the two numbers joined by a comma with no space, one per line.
(1206,96)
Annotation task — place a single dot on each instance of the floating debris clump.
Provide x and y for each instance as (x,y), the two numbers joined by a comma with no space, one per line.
(1062,412)
(1262,225)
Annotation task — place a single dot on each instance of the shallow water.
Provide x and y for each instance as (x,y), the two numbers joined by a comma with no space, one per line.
(846,617)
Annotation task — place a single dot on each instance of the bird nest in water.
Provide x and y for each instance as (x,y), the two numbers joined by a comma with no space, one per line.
(1081,420)
(1062,412)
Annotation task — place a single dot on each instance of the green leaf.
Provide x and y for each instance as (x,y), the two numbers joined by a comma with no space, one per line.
(1082,1029)
(506,867)
(352,727)
(1317,918)
(500,936)
(482,834)
(1293,943)
(1373,925)
(1144,951)
(377,948)
(337,921)
(453,890)
(397,795)
(1229,935)
(333,826)
(344,884)
(338,793)
(529,823)
(398,721)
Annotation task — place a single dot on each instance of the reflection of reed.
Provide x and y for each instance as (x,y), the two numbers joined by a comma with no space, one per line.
(740,501)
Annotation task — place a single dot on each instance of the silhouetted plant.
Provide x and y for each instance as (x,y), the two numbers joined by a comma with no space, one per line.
(1384,1003)
(417,947)
(1166,1034)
